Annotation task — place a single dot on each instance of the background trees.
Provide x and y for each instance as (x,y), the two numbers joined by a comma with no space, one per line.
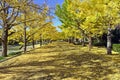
(92,18)
(25,22)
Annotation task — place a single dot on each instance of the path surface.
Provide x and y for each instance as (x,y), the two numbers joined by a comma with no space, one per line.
(62,61)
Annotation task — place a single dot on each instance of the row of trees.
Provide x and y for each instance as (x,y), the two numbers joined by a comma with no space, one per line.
(24,21)
(35,33)
(89,18)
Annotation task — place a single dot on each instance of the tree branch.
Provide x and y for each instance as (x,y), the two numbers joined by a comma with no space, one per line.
(11,33)
(13,18)
(29,20)
(42,26)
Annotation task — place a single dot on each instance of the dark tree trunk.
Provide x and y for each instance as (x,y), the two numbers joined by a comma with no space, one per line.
(25,41)
(83,42)
(90,43)
(40,43)
(4,42)
(68,40)
(109,42)
(41,40)
(25,34)
(33,43)
(4,37)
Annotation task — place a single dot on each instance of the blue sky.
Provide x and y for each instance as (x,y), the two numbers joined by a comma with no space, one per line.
(52,4)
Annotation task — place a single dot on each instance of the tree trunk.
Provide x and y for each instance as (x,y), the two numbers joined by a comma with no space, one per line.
(109,42)
(90,43)
(25,34)
(4,37)
(33,43)
(83,42)
(25,41)
(68,40)
(40,40)
(4,42)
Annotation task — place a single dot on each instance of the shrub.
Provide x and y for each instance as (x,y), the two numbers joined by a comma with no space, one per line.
(14,53)
(96,43)
(1,57)
(116,47)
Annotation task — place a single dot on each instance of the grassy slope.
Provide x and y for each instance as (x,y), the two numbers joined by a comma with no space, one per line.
(62,61)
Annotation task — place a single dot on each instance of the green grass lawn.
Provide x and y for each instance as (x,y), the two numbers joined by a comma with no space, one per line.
(62,61)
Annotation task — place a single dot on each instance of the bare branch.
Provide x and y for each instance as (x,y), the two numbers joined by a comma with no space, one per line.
(13,18)
(12,14)
(29,20)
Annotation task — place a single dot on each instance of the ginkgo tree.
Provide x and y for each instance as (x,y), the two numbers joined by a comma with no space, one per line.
(11,12)
(69,19)
(91,17)
(110,19)
(86,18)
(32,32)
(48,33)
(8,13)
(70,33)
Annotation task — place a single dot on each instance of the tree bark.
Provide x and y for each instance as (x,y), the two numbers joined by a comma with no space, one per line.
(90,43)
(41,40)
(25,34)
(25,41)
(68,40)
(4,42)
(4,37)
(109,42)
(33,43)
(83,42)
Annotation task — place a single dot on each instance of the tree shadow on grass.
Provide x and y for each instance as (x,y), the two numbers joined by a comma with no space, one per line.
(85,66)
(49,49)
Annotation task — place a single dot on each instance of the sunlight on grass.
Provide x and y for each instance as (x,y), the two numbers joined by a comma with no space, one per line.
(62,61)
